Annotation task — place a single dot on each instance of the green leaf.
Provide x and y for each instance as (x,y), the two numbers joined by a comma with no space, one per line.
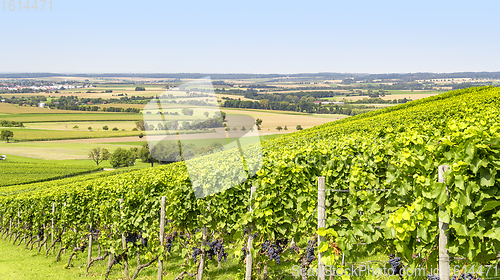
(459,182)
(460,228)
(489,205)
(444,216)
(322,231)
(487,177)
(438,189)
(323,247)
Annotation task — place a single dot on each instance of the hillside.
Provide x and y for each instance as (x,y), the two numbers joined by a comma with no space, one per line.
(396,150)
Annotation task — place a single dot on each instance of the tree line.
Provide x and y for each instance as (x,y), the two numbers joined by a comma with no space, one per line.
(304,107)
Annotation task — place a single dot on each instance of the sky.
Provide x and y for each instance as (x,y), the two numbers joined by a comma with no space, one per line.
(250,36)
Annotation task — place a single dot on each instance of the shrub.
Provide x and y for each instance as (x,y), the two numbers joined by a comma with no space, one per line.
(122,158)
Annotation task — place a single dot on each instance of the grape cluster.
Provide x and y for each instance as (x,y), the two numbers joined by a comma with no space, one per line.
(274,249)
(245,251)
(133,237)
(169,239)
(395,263)
(217,249)
(310,251)
(196,252)
(465,276)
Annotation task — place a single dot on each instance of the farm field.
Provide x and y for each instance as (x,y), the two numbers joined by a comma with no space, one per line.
(272,119)
(83,126)
(15,173)
(26,134)
(6,109)
(409,95)
(67,117)
(76,151)
(384,165)
(57,150)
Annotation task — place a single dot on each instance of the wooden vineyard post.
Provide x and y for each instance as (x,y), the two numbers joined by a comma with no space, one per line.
(321,224)
(162,236)
(52,225)
(199,275)
(444,256)
(124,247)
(89,256)
(10,224)
(64,230)
(248,271)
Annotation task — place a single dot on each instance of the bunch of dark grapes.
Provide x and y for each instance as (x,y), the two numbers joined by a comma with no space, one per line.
(196,252)
(217,249)
(131,238)
(244,249)
(169,239)
(395,265)
(273,249)
(310,251)
(465,276)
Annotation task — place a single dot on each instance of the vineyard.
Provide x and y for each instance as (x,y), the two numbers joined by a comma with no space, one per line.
(15,173)
(382,197)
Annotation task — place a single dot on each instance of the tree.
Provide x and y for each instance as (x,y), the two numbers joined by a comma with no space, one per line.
(90,128)
(6,134)
(75,127)
(243,128)
(205,114)
(279,128)
(258,122)
(141,135)
(286,128)
(99,155)
(140,88)
(105,127)
(220,114)
(122,158)
(145,155)
(115,128)
(264,103)
(187,111)
(299,127)
(140,125)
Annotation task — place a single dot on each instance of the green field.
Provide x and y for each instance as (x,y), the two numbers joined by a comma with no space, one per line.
(77,116)
(15,173)
(24,134)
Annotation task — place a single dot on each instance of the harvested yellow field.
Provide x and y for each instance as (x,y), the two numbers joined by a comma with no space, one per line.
(273,119)
(412,96)
(6,108)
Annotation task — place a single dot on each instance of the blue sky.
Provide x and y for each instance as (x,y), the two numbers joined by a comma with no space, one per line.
(251,37)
